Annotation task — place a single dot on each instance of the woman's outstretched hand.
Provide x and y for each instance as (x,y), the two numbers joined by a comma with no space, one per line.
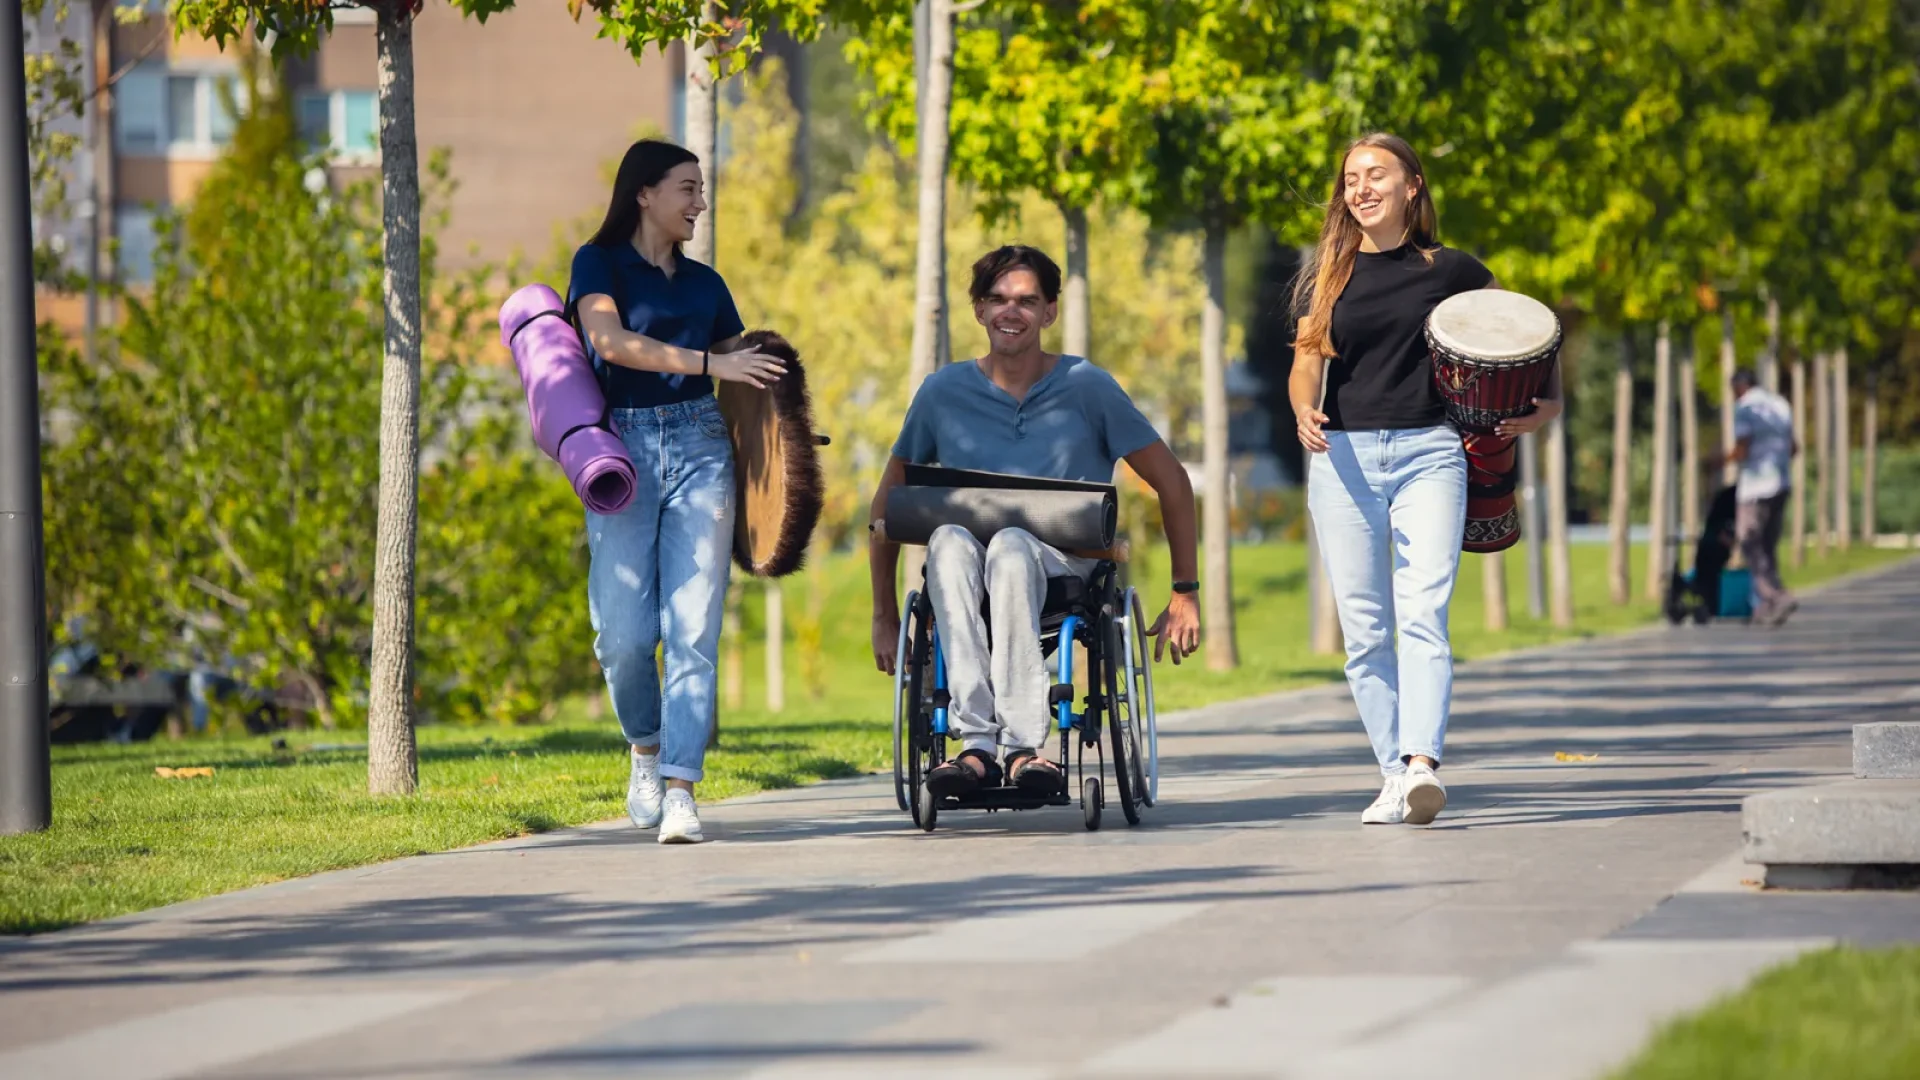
(746,366)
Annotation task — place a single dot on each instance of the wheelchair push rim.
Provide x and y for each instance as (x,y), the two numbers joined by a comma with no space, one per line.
(903,749)
(1137,699)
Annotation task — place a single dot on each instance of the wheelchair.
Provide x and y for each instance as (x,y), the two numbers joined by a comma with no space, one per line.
(1109,623)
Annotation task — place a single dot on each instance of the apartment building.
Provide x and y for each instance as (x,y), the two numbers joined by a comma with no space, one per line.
(532,105)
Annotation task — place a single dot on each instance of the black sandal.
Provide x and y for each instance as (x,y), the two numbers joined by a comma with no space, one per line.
(955,777)
(1035,775)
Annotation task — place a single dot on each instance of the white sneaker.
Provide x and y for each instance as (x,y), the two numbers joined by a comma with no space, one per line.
(682,822)
(643,790)
(1426,795)
(1391,807)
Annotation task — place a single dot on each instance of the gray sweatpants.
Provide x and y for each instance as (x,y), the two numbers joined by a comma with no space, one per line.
(1757,530)
(998,694)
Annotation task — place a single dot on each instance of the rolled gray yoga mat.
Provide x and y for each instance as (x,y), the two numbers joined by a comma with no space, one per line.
(1078,520)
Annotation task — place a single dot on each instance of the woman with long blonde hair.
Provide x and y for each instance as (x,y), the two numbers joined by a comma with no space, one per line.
(1387,479)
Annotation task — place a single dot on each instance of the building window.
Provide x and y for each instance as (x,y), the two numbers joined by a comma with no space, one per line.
(185,112)
(134,225)
(345,122)
(139,111)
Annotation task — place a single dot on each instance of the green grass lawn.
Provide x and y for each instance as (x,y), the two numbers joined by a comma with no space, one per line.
(124,839)
(1836,1013)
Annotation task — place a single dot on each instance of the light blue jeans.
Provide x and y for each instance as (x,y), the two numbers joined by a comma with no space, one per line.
(1390,508)
(659,578)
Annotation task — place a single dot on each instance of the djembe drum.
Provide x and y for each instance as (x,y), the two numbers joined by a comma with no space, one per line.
(777,475)
(1493,354)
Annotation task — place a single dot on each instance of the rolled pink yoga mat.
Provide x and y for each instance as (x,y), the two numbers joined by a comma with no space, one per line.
(564,401)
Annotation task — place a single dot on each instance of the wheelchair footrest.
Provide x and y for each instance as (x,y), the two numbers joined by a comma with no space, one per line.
(1007,797)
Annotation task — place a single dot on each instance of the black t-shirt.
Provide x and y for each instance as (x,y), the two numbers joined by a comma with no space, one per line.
(1381,375)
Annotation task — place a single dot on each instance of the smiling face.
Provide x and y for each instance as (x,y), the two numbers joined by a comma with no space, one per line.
(1377,191)
(1014,311)
(671,207)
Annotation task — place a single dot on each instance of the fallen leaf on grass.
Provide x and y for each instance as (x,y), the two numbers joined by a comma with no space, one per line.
(166,773)
(564,776)
(492,781)
(1562,755)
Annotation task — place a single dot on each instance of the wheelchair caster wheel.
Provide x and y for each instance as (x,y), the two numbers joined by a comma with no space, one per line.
(927,809)
(1090,802)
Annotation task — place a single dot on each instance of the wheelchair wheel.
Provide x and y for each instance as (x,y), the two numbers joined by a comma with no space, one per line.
(1090,803)
(906,702)
(1125,734)
(1137,700)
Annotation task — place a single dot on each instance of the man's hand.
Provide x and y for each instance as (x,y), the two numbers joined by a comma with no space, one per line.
(1177,628)
(1308,421)
(886,642)
(1544,410)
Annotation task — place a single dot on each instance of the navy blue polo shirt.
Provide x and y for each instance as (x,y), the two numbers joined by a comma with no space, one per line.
(692,309)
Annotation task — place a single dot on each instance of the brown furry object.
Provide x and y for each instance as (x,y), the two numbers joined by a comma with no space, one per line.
(777,480)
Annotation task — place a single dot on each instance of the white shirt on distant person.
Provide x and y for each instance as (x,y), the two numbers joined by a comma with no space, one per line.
(1765,419)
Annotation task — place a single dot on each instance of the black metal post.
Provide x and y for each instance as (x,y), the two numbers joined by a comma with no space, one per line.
(26,798)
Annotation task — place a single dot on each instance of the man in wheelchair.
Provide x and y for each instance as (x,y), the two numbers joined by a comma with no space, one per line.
(1019,409)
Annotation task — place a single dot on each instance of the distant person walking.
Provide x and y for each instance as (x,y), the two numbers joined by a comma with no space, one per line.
(1387,482)
(1764,447)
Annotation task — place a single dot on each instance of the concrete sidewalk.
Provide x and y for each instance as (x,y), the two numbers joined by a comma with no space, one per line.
(1250,927)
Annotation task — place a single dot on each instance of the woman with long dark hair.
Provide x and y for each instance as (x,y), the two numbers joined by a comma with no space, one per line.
(1387,479)
(660,328)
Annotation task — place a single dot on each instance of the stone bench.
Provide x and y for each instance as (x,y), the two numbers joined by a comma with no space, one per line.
(1860,833)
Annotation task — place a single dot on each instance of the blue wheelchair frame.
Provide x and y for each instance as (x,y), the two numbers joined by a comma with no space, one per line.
(1067,719)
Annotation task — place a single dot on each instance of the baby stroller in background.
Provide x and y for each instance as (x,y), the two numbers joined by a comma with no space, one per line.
(1709,590)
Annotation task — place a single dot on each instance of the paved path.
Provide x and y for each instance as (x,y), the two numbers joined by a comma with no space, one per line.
(1250,928)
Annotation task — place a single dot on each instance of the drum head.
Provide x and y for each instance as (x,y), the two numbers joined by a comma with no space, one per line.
(777,474)
(1493,326)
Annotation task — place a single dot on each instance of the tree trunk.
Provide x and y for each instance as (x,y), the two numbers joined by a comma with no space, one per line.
(392,762)
(1660,554)
(1620,500)
(703,138)
(1223,653)
(1842,453)
(1770,363)
(1822,453)
(1687,399)
(933,54)
(776,647)
(1797,545)
(100,162)
(1493,589)
(736,658)
(1534,526)
(799,64)
(1870,476)
(1729,469)
(1559,550)
(1323,621)
(1077,314)
(931,134)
